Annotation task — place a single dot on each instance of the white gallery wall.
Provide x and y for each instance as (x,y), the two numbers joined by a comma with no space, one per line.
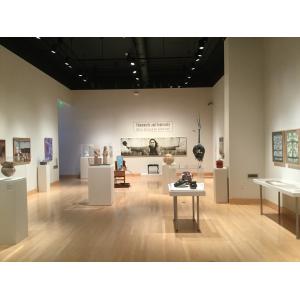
(282,101)
(28,109)
(218,116)
(104,117)
(244,114)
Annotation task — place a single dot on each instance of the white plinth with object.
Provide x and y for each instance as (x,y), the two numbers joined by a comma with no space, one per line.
(84,165)
(168,176)
(44,178)
(100,185)
(13,210)
(220,185)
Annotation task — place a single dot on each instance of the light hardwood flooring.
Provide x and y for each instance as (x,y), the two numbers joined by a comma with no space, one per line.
(139,227)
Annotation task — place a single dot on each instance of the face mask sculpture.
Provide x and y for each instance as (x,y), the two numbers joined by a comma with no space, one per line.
(198,149)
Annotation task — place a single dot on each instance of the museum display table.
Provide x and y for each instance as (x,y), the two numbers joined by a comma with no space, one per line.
(84,165)
(100,185)
(186,191)
(13,210)
(168,176)
(289,188)
(220,185)
(44,178)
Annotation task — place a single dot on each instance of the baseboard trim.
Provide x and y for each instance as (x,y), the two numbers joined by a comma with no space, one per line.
(68,176)
(243,201)
(32,192)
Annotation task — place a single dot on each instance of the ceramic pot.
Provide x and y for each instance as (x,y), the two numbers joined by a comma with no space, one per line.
(168,159)
(8,169)
(219,163)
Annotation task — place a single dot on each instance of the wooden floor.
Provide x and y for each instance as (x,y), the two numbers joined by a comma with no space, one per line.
(139,227)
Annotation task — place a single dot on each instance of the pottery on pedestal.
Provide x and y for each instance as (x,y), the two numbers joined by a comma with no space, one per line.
(8,169)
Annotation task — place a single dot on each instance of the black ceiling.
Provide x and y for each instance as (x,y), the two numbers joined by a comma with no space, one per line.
(105,63)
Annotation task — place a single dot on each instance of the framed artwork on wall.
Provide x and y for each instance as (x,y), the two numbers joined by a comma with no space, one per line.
(292,148)
(21,151)
(176,146)
(48,149)
(278,149)
(2,151)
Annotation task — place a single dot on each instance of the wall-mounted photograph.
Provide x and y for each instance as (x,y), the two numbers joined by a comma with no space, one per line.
(278,147)
(292,147)
(2,151)
(22,151)
(176,146)
(48,149)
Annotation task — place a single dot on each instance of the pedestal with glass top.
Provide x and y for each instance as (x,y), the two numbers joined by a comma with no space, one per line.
(186,191)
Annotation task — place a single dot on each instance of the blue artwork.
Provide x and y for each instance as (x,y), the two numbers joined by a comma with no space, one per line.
(120,162)
(48,149)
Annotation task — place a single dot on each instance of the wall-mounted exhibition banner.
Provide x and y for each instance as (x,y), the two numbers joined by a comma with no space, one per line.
(154,146)
(153,126)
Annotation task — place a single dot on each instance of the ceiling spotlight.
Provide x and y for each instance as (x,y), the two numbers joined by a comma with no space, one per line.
(79,75)
(197,59)
(189,77)
(69,66)
(193,68)
(53,51)
(132,63)
(38,38)
(66,63)
(137,78)
(201,47)
(134,71)
(200,55)
(84,80)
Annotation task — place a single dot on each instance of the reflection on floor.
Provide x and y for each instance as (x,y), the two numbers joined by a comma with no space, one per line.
(139,227)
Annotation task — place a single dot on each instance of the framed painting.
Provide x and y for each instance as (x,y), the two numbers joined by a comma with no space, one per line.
(278,149)
(48,149)
(292,148)
(2,151)
(21,151)
(176,146)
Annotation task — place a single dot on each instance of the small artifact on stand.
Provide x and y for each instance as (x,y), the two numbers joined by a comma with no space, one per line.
(186,180)
(8,169)
(168,159)
(219,163)
(97,158)
(105,155)
(120,173)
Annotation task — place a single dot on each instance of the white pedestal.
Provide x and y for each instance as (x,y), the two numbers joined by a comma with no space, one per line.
(220,185)
(84,165)
(168,176)
(13,210)
(44,178)
(101,185)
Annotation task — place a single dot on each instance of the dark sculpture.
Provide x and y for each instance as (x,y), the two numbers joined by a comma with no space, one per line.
(198,149)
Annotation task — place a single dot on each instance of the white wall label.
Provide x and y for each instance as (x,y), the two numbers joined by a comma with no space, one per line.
(153,126)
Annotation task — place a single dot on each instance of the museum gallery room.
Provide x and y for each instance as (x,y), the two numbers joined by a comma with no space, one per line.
(149,149)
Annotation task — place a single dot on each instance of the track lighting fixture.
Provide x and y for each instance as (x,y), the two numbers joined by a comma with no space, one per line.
(79,75)
(197,59)
(137,78)
(189,77)
(134,71)
(193,68)
(132,63)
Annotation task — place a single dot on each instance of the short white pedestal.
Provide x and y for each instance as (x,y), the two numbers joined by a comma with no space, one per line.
(168,176)
(44,178)
(220,185)
(101,185)
(84,165)
(13,210)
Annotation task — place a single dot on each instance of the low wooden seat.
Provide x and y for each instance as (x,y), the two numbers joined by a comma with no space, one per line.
(120,174)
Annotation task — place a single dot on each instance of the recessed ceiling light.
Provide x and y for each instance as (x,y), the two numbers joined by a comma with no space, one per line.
(80,75)
(132,63)
(199,55)
(201,47)
(134,71)
(193,68)
(38,38)
(197,59)
(137,78)
(66,63)
(69,66)
(53,51)
(84,80)
(189,77)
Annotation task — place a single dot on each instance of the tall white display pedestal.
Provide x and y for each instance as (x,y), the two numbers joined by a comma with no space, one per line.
(168,176)
(44,178)
(13,210)
(101,185)
(220,185)
(84,165)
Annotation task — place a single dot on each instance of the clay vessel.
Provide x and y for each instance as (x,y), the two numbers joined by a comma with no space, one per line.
(8,169)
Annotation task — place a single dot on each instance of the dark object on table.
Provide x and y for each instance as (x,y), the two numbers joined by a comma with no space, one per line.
(187,176)
(181,183)
(43,162)
(155,166)
(219,163)
(193,184)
